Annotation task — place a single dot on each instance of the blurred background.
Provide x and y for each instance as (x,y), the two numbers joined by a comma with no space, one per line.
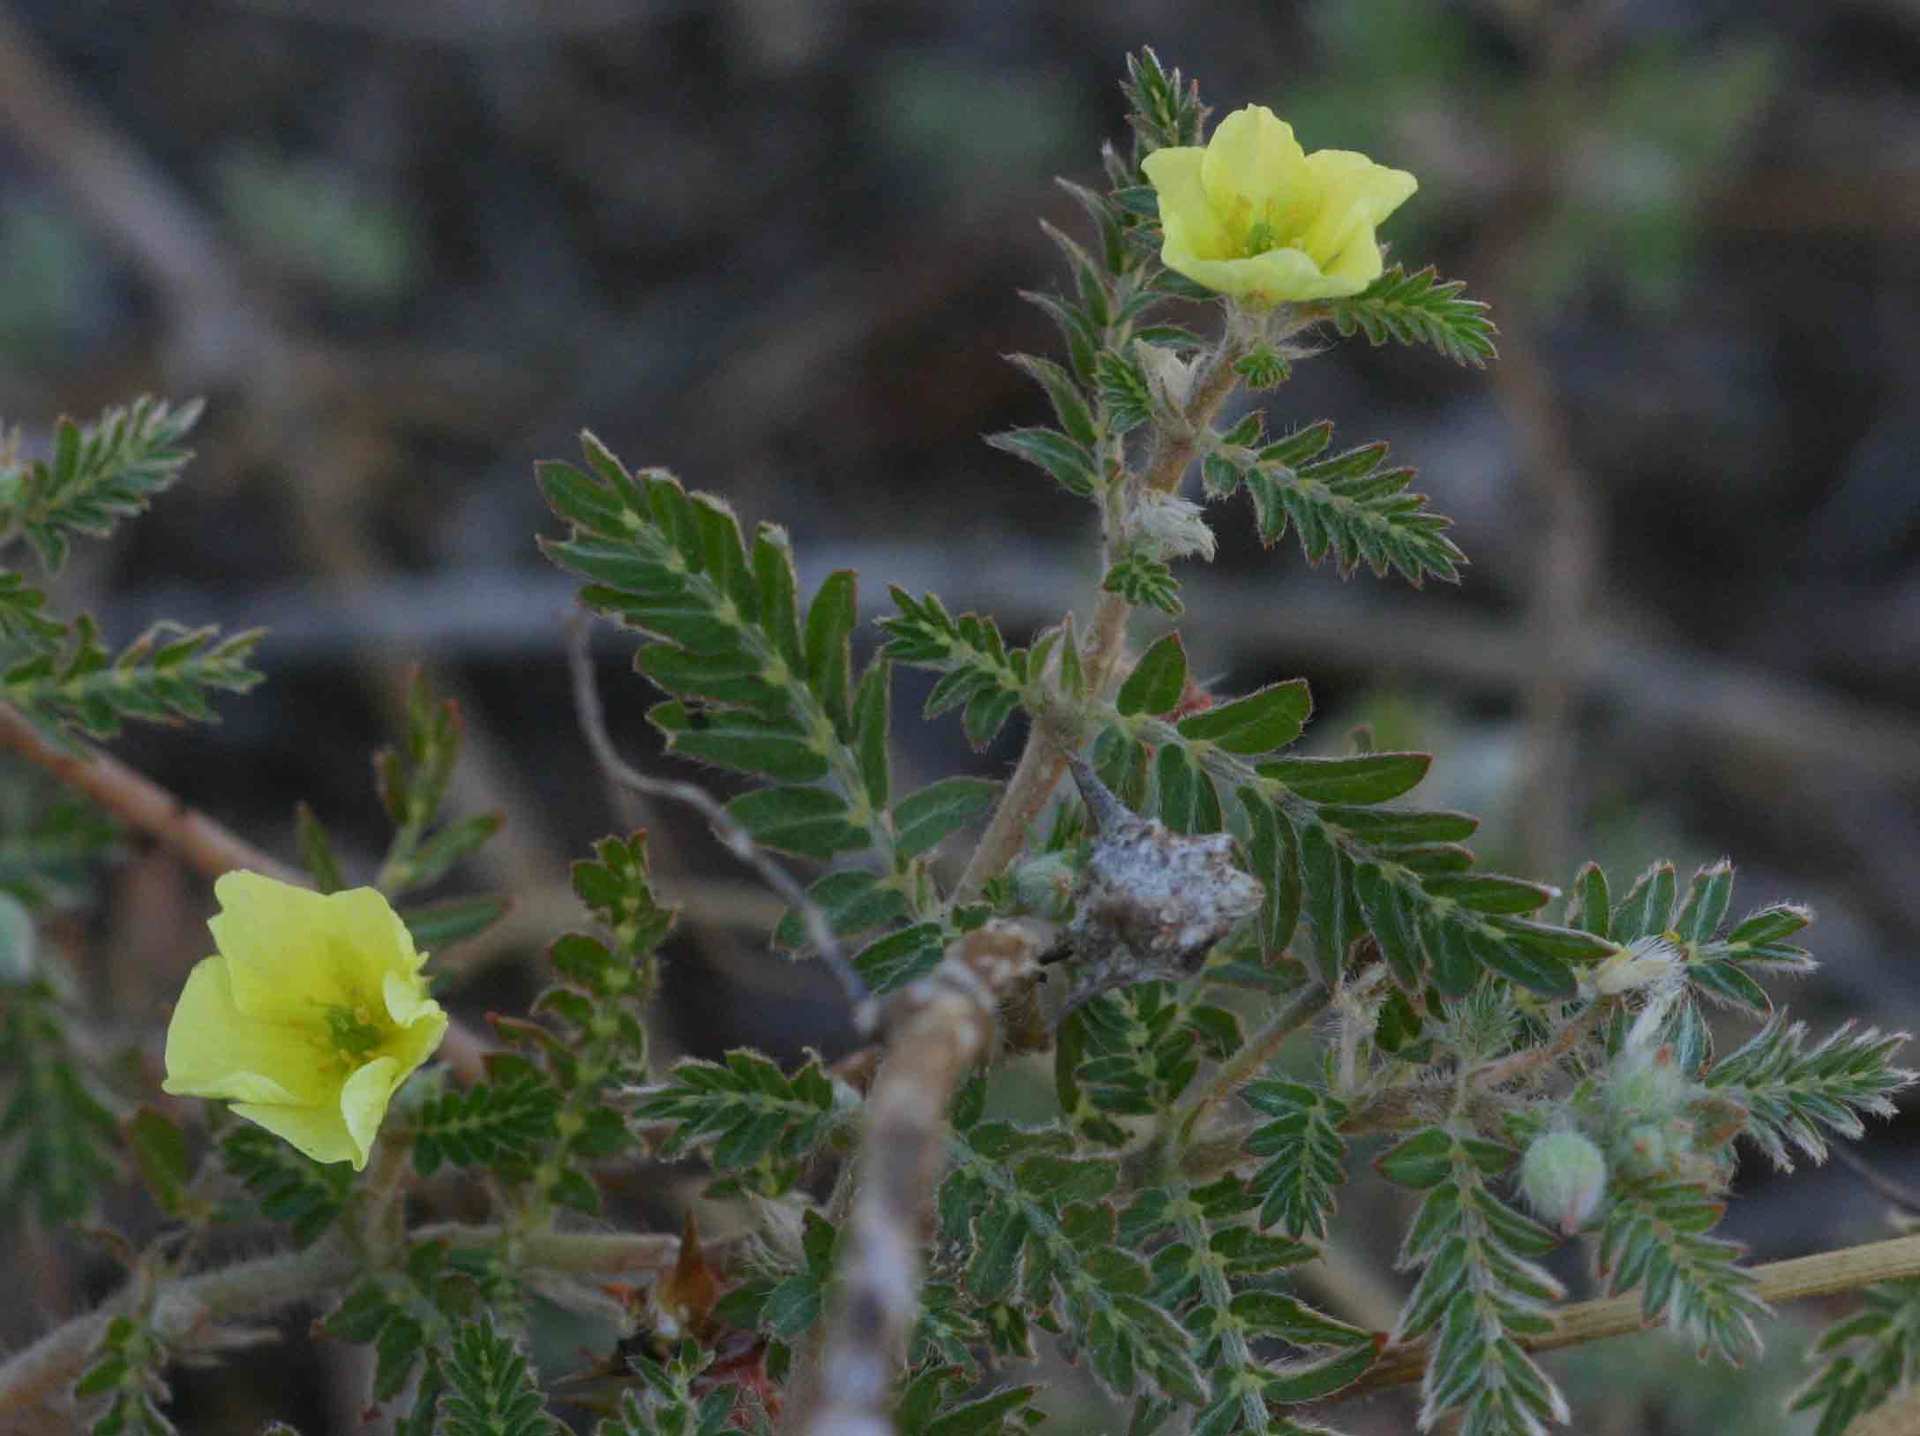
(405,249)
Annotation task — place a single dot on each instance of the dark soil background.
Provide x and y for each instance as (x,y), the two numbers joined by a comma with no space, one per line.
(406,249)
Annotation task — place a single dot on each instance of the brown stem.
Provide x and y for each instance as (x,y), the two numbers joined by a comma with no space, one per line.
(1044,759)
(1258,1050)
(1795,1279)
(188,1306)
(139,802)
(1532,1059)
(938,1029)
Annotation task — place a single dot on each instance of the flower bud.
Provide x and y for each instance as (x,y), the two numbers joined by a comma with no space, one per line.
(1044,885)
(1650,962)
(1168,375)
(1563,1176)
(1175,527)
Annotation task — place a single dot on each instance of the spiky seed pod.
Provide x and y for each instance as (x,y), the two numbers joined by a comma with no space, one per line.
(1151,903)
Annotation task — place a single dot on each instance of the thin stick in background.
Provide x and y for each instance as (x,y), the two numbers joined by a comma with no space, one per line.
(735,838)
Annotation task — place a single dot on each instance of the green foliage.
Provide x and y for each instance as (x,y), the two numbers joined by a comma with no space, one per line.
(1217,1274)
(407,1316)
(1316,832)
(489,1390)
(1348,504)
(412,778)
(56,1134)
(1163,109)
(761,686)
(549,1110)
(290,1186)
(669,1402)
(64,675)
(1418,308)
(1144,1226)
(503,1124)
(1791,1090)
(1144,581)
(935,1403)
(1724,967)
(127,1369)
(785,1304)
(757,1125)
(1864,1357)
(48,843)
(1306,1155)
(980,674)
(1480,1291)
(1655,1237)
(165,674)
(1031,1218)
(99,474)
(1133,1052)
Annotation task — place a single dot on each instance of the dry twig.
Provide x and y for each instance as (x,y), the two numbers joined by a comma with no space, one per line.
(736,839)
(937,1030)
(187,1308)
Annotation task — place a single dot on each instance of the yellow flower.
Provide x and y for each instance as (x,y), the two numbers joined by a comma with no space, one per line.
(1258,219)
(309,1017)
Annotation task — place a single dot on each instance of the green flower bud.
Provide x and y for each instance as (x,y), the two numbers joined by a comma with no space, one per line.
(1044,884)
(1563,1176)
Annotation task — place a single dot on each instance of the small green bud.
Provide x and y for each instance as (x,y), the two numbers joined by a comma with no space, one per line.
(1044,884)
(1563,1176)
(1647,1087)
(1263,367)
(1649,1148)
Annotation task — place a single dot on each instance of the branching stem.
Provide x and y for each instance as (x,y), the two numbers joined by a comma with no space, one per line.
(592,715)
(1796,1279)
(939,1028)
(1258,1050)
(1044,760)
(188,1306)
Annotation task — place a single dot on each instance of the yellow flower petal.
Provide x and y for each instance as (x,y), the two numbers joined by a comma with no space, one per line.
(1358,266)
(406,1000)
(213,1050)
(1185,214)
(1254,170)
(320,1132)
(1255,218)
(1271,278)
(309,1019)
(1354,195)
(274,935)
(363,1103)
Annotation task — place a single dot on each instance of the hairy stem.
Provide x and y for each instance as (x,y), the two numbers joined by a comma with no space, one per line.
(1258,1050)
(188,1306)
(1044,760)
(1822,1274)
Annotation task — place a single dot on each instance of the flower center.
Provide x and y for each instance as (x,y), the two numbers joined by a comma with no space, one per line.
(353,1031)
(1261,238)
